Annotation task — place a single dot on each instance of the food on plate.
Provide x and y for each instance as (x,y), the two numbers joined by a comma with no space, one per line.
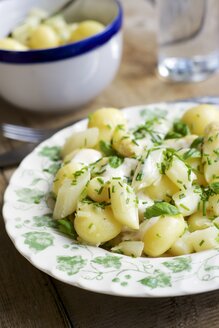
(39,31)
(144,189)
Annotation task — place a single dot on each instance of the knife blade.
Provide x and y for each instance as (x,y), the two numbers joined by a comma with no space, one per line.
(15,156)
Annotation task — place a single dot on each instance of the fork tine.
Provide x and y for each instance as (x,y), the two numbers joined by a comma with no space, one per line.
(24,133)
(23,130)
(18,137)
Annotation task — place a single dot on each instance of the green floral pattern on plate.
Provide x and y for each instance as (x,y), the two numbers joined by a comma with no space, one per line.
(38,241)
(29,223)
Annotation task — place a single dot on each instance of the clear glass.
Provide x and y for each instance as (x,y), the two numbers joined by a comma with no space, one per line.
(188,39)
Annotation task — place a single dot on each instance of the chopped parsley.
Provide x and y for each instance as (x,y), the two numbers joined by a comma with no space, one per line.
(77,174)
(115,161)
(179,130)
(214,186)
(139,176)
(89,201)
(181,196)
(201,242)
(106,148)
(101,181)
(168,155)
(197,142)
(66,226)
(184,207)
(146,129)
(191,153)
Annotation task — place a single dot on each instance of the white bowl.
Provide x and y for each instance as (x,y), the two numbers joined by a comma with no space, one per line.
(65,77)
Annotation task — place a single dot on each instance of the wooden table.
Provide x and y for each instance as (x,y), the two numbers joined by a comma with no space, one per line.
(30,298)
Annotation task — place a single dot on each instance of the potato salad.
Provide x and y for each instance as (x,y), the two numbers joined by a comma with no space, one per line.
(147,190)
(39,31)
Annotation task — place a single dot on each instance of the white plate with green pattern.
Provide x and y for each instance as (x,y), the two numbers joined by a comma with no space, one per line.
(30,225)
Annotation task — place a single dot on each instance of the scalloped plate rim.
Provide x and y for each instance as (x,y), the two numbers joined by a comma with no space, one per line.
(91,287)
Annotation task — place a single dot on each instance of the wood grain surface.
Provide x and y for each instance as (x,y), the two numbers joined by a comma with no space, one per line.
(30,298)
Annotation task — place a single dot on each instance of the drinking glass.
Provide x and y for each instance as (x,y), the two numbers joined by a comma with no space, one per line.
(188,39)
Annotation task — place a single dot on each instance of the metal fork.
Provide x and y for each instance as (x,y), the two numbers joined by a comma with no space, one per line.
(27,134)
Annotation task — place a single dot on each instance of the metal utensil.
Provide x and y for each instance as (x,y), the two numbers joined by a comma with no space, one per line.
(28,134)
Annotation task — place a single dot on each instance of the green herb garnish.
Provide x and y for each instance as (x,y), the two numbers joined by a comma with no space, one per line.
(201,242)
(146,129)
(115,161)
(197,142)
(160,208)
(179,130)
(215,187)
(191,153)
(66,226)
(106,148)
(89,201)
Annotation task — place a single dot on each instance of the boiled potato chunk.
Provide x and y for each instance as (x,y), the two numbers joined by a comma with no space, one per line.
(144,201)
(182,245)
(65,172)
(84,156)
(124,143)
(129,248)
(163,189)
(82,139)
(180,174)
(197,166)
(10,44)
(106,119)
(147,172)
(22,33)
(59,25)
(187,201)
(180,143)
(98,189)
(43,37)
(161,235)
(96,225)
(205,239)
(85,30)
(198,117)
(210,153)
(37,14)
(198,221)
(69,195)
(213,204)
(124,204)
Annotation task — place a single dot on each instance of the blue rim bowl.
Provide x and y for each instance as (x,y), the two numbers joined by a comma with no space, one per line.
(65,51)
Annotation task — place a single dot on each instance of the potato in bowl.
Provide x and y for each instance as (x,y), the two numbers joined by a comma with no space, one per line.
(58,74)
(39,31)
